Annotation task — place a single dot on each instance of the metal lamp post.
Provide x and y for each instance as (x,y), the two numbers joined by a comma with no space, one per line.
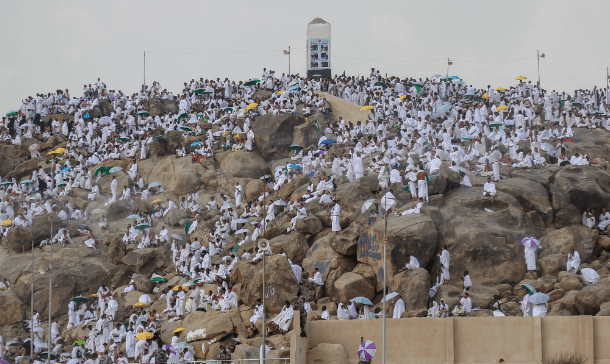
(538,57)
(288,53)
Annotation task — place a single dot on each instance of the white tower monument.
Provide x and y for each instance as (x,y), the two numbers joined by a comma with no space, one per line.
(318,48)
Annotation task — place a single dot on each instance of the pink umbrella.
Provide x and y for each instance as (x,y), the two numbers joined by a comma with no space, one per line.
(367,350)
(34,147)
(531,242)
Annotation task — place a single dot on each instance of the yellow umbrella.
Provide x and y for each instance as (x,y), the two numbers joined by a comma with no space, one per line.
(6,222)
(252,106)
(500,89)
(4,288)
(521,78)
(501,107)
(280,92)
(180,329)
(144,336)
(157,200)
(58,151)
(402,97)
(140,304)
(183,287)
(93,295)
(486,96)
(367,108)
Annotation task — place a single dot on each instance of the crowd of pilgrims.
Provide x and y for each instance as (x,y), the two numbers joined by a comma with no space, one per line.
(413,126)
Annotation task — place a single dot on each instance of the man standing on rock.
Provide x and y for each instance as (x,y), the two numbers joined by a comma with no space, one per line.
(444,257)
(113,187)
(334,217)
(238,190)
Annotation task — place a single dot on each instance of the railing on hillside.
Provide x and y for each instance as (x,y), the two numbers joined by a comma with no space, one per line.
(233,361)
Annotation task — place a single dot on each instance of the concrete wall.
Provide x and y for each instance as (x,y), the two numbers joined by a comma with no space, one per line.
(470,340)
(345,109)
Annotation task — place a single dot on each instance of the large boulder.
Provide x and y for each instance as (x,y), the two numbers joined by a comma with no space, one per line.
(579,237)
(351,285)
(116,249)
(332,265)
(346,243)
(589,299)
(179,175)
(327,354)
(484,237)
(413,234)
(531,195)
(244,351)
(309,225)
(147,261)
(587,186)
(413,286)
(253,189)
(552,264)
(12,308)
(242,164)
(281,283)
(564,213)
(307,134)
(294,246)
(273,134)
(75,271)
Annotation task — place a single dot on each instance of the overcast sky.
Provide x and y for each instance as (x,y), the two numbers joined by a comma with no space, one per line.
(48,45)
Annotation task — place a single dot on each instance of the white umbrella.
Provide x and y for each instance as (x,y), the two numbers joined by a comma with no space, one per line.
(38,329)
(589,275)
(389,296)
(241,231)
(366,205)
(462,169)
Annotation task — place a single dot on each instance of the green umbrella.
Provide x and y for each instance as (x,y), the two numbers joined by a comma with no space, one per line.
(159,137)
(417,87)
(199,91)
(418,83)
(143,112)
(380,84)
(183,115)
(80,299)
(460,82)
(295,147)
(187,226)
(6,183)
(252,82)
(159,279)
(27,182)
(186,128)
(123,139)
(445,106)
(494,125)
(446,79)
(80,342)
(316,76)
(471,94)
(102,169)
(143,226)
(12,112)
(61,184)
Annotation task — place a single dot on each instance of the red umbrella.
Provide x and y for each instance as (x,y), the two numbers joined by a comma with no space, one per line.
(34,147)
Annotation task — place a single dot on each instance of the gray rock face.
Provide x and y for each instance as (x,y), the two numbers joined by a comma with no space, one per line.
(274,134)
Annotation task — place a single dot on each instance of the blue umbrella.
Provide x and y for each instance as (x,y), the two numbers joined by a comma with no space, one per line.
(329,141)
(64,170)
(241,221)
(194,144)
(363,300)
(538,298)
(154,184)
(115,169)
(295,166)
(133,216)
(176,236)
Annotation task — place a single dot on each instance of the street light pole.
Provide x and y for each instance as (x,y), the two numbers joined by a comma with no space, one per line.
(539,56)
(50,296)
(32,307)
(288,53)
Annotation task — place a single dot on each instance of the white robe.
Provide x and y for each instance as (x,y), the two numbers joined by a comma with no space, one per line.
(336,211)
(399,308)
(573,262)
(530,257)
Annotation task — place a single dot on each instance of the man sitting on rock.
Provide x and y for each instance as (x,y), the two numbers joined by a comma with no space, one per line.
(315,279)
(489,189)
